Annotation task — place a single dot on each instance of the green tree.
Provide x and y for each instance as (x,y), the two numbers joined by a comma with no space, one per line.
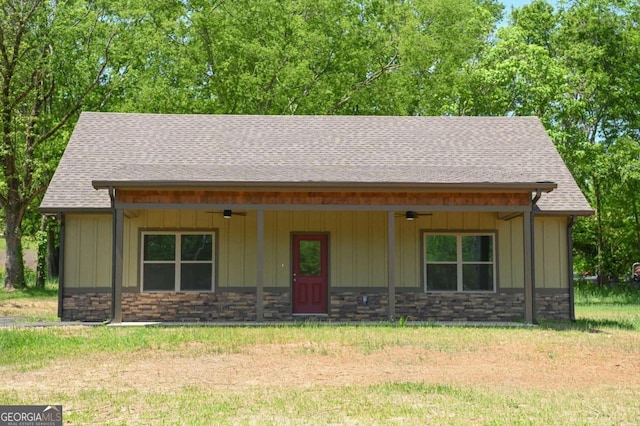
(303,57)
(600,111)
(575,67)
(212,56)
(53,54)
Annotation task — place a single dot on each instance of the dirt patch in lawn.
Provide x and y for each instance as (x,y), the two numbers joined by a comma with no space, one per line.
(509,366)
(28,308)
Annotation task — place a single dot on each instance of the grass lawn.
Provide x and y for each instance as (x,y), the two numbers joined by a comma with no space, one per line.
(30,304)
(587,372)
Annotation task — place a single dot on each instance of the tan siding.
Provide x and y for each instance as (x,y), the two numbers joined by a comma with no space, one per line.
(551,253)
(250,258)
(455,220)
(369,244)
(276,256)
(235,250)
(87,251)
(505,254)
(564,255)
(357,246)
(203,219)
(510,253)
(170,218)
(234,235)
(472,221)
(409,246)
(408,256)
(71,251)
(343,251)
(439,221)
(539,247)
(517,253)
(378,247)
(187,219)
(361,234)
(131,253)
(104,251)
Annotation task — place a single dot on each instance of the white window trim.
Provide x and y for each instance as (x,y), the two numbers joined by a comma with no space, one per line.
(459,262)
(177,262)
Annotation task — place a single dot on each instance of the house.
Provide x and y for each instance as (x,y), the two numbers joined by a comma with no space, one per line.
(349,218)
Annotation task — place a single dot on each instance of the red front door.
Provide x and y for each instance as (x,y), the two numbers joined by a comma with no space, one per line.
(310,274)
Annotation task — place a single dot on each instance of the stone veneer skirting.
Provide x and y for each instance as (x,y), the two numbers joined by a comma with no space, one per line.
(343,306)
(86,306)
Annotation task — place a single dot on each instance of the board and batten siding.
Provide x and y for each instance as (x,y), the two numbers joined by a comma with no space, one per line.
(87,251)
(357,246)
(235,249)
(551,253)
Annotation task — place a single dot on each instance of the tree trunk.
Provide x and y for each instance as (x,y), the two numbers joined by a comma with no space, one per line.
(14,263)
(41,267)
(52,250)
(600,232)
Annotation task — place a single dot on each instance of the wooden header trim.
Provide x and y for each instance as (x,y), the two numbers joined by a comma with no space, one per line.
(326,198)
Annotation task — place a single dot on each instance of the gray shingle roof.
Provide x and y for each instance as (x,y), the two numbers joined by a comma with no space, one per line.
(223,149)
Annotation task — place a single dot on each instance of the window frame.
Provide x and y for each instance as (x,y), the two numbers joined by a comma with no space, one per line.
(177,261)
(459,262)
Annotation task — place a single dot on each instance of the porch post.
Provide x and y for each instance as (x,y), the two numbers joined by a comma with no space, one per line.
(116,309)
(61,266)
(529,292)
(391,263)
(260,267)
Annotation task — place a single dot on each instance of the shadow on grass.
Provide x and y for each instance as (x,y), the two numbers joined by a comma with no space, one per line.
(589,325)
(50,291)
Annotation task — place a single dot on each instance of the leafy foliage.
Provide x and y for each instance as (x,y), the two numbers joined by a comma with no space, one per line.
(574,66)
(53,59)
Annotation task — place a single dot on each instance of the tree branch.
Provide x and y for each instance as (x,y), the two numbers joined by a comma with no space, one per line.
(388,67)
(76,107)
(24,204)
(20,33)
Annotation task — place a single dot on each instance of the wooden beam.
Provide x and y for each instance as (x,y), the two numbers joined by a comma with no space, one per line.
(391,263)
(320,207)
(529,292)
(118,267)
(357,198)
(260,268)
(62,251)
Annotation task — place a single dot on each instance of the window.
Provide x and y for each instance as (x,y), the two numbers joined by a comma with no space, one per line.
(177,261)
(459,262)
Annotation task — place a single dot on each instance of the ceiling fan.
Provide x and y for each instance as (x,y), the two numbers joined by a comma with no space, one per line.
(228,213)
(411,215)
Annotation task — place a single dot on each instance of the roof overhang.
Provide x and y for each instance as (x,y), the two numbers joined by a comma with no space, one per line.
(329,186)
(53,211)
(566,213)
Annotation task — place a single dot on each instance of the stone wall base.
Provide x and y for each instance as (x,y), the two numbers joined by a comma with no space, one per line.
(343,306)
(91,307)
(189,307)
(460,306)
(553,306)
